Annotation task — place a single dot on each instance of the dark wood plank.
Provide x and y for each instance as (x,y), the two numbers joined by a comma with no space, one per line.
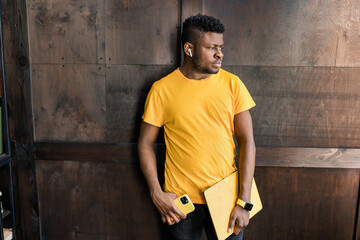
(308,157)
(286,33)
(69,102)
(112,152)
(21,124)
(304,106)
(7,14)
(73,151)
(73,196)
(132,213)
(191,8)
(126,89)
(305,204)
(142,32)
(95,200)
(67,31)
(265,156)
(348,46)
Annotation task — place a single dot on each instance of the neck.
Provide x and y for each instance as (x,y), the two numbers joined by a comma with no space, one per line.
(190,72)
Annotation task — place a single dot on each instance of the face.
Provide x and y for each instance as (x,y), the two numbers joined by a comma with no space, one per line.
(208,54)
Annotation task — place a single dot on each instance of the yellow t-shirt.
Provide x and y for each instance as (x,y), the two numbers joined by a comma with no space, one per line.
(198,120)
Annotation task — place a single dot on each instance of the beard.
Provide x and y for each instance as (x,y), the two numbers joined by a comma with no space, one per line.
(202,69)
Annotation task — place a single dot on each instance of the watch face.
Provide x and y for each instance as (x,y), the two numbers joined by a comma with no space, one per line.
(248,206)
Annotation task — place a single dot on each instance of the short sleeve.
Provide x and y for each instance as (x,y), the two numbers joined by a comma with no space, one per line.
(243,99)
(154,110)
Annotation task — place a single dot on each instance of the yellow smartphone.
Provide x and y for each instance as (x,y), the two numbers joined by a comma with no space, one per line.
(184,204)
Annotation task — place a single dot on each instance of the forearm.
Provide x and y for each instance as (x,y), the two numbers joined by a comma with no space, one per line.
(246,167)
(148,166)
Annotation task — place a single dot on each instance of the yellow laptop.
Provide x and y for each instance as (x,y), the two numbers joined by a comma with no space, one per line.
(221,199)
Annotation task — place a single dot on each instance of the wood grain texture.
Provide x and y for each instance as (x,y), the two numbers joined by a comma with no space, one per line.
(306,203)
(21,120)
(191,8)
(265,156)
(132,213)
(126,89)
(67,31)
(95,200)
(286,33)
(304,106)
(72,197)
(142,32)
(69,102)
(8,34)
(348,47)
(308,157)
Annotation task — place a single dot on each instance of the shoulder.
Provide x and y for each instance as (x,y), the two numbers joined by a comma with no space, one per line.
(232,80)
(228,76)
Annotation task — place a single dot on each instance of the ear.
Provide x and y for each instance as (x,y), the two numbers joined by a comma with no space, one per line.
(188,46)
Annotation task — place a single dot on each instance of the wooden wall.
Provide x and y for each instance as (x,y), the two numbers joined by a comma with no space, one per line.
(92,64)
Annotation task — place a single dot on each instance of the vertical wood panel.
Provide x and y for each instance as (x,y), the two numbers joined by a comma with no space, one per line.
(21,124)
(72,198)
(8,34)
(191,8)
(132,214)
(69,102)
(127,87)
(66,31)
(348,46)
(94,200)
(142,32)
(306,203)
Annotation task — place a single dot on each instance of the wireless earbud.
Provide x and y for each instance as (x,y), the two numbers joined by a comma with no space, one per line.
(189,50)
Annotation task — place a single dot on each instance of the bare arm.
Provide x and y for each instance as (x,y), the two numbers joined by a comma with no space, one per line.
(244,135)
(162,200)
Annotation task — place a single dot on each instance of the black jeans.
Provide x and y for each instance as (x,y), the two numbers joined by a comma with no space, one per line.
(192,227)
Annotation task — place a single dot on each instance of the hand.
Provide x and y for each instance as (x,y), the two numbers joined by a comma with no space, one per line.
(239,218)
(164,202)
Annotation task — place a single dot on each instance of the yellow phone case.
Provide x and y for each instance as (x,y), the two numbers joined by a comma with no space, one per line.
(184,204)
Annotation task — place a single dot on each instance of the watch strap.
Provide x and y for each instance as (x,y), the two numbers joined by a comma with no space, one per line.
(241,203)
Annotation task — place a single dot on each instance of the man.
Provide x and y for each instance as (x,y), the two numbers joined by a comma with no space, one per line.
(201,108)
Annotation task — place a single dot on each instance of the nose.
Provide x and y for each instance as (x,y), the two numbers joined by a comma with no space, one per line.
(218,53)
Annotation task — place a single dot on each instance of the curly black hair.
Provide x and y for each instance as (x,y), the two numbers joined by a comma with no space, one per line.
(194,26)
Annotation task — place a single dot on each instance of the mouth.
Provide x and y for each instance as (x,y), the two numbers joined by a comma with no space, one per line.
(217,64)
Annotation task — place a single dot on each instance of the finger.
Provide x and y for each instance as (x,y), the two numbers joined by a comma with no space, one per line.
(237,229)
(163,219)
(231,224)
(170,221)
(174,217)
(178,213)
